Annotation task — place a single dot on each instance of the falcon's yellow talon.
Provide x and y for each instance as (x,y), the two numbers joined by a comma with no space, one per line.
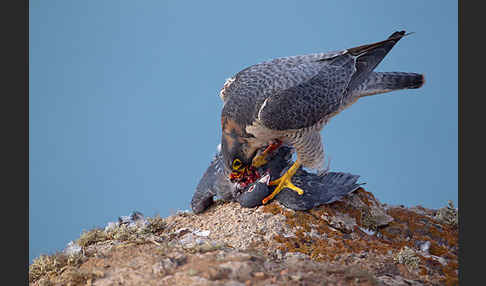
(284,182)
(259,161)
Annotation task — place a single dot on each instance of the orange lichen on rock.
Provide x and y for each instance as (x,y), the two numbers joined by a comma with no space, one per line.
(352,227)
(355,241)
(436,249)
(272,208)
(451,275)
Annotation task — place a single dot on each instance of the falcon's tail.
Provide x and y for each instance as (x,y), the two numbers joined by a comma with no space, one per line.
(381,82)
(367,57)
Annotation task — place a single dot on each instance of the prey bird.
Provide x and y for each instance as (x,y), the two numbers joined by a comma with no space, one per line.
(288,101)
(318,190)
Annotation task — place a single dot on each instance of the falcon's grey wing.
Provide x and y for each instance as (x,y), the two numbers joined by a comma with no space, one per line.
(326,92)
(244,93)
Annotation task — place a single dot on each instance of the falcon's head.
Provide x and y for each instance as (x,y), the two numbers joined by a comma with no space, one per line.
(238,154)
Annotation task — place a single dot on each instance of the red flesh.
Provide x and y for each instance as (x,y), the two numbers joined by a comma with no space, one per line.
(248,176)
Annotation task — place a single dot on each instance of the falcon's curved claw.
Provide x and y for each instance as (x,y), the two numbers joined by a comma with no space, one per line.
(284,182)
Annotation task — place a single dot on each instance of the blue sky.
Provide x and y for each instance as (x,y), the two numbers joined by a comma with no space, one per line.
(125,113)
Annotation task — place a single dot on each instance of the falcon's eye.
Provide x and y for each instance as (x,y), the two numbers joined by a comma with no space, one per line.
(236,164)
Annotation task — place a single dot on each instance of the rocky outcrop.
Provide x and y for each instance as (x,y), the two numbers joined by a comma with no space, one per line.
(356,241)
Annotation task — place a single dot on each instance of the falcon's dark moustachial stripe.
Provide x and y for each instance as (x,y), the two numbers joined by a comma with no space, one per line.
(289,100)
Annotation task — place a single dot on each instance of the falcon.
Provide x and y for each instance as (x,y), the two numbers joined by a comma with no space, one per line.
(288,101)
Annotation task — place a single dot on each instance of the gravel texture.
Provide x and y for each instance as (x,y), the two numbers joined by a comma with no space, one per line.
(357,241)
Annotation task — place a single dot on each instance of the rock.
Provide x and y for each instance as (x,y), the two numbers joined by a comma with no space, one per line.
(356,241)
(163,267)
(408,257)
(72,248)
(448,215)
(240,271)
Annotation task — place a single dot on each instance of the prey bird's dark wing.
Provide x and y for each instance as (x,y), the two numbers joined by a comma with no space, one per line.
(318,190)
(213,183)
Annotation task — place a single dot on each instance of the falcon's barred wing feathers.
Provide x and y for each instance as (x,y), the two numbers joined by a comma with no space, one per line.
(328,91)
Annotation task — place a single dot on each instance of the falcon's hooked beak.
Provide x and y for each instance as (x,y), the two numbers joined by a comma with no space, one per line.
(238,174)
(238,170)
(238,153)
(244,174)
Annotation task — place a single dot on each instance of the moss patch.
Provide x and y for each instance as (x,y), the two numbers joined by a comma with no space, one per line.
(51,265)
